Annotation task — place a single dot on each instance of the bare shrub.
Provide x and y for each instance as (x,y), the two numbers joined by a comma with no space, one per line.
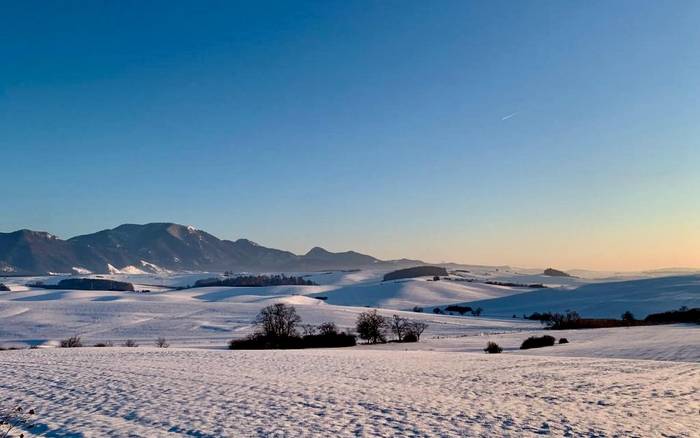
(537,342)
(162,343)
(15,418)
(493,348)
(563,341)
(104,344)
(72,342)
(371,327)
(130,343)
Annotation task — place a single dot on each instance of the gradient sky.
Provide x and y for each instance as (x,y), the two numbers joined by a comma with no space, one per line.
(543,133)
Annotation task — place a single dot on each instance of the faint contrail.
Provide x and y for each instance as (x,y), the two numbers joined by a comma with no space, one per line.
(508,116)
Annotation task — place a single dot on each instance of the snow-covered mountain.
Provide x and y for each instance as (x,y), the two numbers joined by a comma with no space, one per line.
(164,246)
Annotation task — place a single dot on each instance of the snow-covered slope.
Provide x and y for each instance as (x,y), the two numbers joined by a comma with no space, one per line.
(603,300)
(407,293)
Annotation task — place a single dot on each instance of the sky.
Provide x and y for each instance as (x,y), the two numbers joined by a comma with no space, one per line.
(543,133)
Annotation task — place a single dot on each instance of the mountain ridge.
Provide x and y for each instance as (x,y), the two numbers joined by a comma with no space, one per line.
(166,245)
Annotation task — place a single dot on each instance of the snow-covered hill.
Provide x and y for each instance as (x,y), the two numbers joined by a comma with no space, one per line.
(604,299)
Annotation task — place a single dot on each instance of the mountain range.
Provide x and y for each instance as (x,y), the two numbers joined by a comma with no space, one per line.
(157,247)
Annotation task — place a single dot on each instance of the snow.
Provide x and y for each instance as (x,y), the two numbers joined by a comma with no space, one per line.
(186,317)
(406,293)
(603,299)
(145,269)
(346,392)
(677,343)
(636,381)
(81,271)
(129,270)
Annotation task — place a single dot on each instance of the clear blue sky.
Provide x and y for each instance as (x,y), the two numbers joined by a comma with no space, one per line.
(527,133)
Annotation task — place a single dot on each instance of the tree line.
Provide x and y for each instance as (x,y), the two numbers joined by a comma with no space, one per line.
(255,281)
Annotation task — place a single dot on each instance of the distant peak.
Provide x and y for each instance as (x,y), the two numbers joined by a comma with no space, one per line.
(31,233)
(246,242)
(551,272)
(317,250)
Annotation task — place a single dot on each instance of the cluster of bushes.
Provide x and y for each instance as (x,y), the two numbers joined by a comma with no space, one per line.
(255,281)
(531,342)
(278,328)
(458,309)
(564,321)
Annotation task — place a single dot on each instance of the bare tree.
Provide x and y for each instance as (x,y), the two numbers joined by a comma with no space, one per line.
(72,342)
(477,311)
(416,328)
(399,326)
(162,343)
(278,321)
(371,327)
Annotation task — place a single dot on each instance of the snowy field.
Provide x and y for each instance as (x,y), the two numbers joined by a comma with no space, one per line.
(95,392)
(637,381)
